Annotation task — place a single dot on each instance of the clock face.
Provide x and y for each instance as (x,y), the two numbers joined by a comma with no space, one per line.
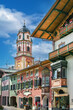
(18,65)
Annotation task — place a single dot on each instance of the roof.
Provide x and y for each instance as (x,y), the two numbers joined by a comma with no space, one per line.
(24,29)
(53,19)
(33,66)
(7,70)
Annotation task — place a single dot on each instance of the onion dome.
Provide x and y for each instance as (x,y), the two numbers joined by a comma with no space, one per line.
(24,29)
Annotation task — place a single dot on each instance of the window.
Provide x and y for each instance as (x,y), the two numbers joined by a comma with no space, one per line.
(45,81)
(28,49)
(19,36)
(14,77)
(37,82)
(57,73)
(31,73)
(27,74)
(36,72)
(18,77)
(22,85)
(19,86)
(19,48)
(21,78)
(27,84)
(27,36)
(14,87)
(11,87)
(63,72)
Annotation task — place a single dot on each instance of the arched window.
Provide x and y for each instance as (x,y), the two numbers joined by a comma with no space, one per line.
(28,49)
(19,48)
(19,36)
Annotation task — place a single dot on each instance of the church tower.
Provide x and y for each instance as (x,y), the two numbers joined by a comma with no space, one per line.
(24,57)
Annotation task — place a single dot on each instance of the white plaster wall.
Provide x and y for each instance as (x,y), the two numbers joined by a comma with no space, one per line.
(67,39)
(69,59)
(26,36)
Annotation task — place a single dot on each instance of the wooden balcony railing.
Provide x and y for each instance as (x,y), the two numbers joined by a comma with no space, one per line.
(66,29)
(59,83)
(64,51)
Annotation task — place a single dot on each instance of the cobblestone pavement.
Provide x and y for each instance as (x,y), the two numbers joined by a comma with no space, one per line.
(11,108)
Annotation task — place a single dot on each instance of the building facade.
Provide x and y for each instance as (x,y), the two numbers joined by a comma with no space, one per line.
(34,85)
(57,26)
(13,90)
(5,86)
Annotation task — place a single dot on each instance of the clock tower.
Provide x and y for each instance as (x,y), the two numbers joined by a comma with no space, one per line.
(24,57)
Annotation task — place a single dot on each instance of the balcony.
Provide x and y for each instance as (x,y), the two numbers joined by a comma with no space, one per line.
(67,29)
(61,52)
(57,83)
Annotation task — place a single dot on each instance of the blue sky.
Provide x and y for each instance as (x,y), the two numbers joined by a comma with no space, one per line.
(12,16)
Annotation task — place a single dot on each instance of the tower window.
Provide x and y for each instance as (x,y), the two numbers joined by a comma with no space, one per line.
(19,48)
(19,36)
(28,49)
(27,36)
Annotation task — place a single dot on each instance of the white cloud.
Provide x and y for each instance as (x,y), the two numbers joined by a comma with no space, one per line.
(13,47)
(11,21)
(41,50)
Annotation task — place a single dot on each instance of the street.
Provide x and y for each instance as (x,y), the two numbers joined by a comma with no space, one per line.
(11,108)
